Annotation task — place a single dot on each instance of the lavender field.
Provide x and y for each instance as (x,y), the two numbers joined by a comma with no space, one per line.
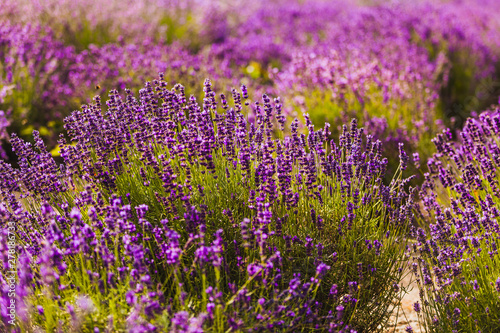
(249,166)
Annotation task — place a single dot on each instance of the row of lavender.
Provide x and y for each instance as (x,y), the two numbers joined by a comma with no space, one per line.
(402,69)
(174,216)
(168,215)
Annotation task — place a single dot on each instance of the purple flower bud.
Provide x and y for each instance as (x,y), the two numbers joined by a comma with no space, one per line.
(210,308)
(340,312)
(416,160)
(416,307)
(321,270)
(403,157)
(75,214)
(334,290)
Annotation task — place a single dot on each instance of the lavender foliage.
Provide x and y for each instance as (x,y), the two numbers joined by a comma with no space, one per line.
(201,219)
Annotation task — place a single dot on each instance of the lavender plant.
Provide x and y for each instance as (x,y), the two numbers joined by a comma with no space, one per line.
(456,258)
(273,31)
(397,68)
(33,68)
(116,66)
(395,98)
(42,80)
(168,215)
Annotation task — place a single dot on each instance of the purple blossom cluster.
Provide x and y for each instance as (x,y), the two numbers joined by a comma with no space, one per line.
(278,29)
(396,98)
(397,68)
(470,26)
(187,218)
(42,79)
(32,71)
(116,66)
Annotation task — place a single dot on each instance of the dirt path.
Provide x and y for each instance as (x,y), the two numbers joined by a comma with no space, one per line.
(407,315)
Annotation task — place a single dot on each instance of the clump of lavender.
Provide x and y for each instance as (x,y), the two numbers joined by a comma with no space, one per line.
(396,67)
(457,256)
(272,31)
(171,215)
(109,67)
(33,67)
(396,99)
(42,79)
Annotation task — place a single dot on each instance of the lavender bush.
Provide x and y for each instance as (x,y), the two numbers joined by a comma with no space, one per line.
(398,69)
(44,80)
(169,215)
(116,66)
(272,32)
(33,68)
(396,99)
(457,263)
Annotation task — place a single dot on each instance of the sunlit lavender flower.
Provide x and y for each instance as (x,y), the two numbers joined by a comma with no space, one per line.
(416,307)
(321,269)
